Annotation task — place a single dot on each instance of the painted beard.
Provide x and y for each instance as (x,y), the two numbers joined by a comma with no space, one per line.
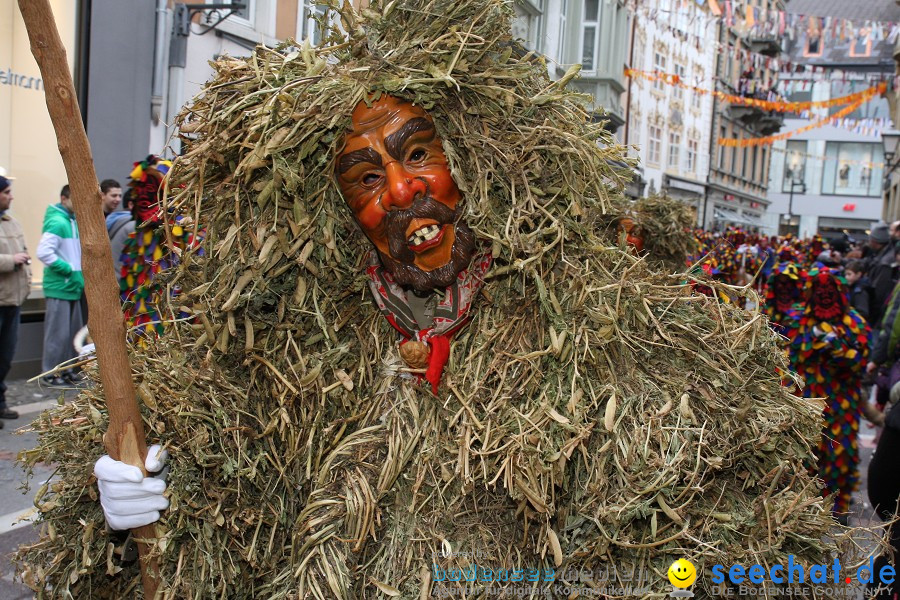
(785,292)
(400,264)
(826,303)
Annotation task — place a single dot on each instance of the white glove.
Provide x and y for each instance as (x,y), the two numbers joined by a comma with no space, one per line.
(128,498)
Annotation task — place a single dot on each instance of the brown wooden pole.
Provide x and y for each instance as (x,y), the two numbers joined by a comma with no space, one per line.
(125,438)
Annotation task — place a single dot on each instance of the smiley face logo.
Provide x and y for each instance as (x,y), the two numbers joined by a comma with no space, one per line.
(682,573)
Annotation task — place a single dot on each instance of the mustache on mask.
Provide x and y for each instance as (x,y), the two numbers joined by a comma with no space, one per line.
(397,222)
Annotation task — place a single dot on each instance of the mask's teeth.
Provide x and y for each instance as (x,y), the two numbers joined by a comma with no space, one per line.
(423,234)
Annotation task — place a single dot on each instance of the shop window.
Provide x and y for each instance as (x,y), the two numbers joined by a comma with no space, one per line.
(853,169)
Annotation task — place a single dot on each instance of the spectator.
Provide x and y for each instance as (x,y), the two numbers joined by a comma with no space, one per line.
(110,195)
(895,231)
(15,283)
(858,283)
(120,225)
(884,492)
(60,251)
(881,271)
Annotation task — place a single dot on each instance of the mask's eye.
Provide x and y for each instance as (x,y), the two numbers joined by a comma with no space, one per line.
(370,178)
(417,155)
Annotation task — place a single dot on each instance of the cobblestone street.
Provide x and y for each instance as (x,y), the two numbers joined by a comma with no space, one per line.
(29,399)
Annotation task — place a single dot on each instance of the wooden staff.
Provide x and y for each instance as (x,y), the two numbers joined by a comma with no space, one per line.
(124,440)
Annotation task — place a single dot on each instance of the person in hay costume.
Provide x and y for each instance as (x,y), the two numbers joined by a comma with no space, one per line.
(590,411)
(149,250)
(828,348)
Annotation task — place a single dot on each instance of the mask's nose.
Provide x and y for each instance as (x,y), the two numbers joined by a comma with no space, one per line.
(403,189)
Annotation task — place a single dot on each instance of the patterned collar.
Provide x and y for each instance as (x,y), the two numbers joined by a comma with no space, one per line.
(450,315)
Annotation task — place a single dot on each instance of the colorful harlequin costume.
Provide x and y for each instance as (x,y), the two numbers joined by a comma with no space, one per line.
(829,350)
(147,251)
(783,292)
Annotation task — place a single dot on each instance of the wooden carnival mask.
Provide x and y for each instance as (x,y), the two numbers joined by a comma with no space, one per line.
(633,234)
(394,176)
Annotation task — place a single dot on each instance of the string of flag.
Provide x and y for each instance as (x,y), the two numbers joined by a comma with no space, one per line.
(764,104)
(771,139)
(759,22)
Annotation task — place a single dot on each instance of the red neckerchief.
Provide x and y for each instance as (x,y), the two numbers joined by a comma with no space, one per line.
(450,315)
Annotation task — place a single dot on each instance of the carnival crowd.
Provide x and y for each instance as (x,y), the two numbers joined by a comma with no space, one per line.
(837,305)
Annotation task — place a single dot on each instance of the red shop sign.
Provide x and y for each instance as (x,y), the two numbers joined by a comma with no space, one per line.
(849,207)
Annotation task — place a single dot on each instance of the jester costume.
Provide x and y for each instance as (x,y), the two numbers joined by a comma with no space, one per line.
(783,292)
(829,350)
(147,251)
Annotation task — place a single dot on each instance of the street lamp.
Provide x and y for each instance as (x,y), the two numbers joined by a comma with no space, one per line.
(798,184)
(890,139)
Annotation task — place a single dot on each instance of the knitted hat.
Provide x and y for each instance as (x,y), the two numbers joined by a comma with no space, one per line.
(880,234)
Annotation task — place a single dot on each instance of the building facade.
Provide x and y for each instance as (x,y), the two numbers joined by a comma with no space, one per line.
(891,204)
(668,126)
(738,176)
(594,33)
(829,180)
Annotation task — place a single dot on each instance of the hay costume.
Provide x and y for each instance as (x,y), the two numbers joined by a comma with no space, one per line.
(572,426)
(829,350)
(672,240)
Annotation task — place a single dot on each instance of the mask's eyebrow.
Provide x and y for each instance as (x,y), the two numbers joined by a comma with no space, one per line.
(351,159)
(394,142)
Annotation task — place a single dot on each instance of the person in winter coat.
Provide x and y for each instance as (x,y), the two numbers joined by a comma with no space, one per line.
(60,251)
(880,271)
(119,226)
(15,283)
(859,286)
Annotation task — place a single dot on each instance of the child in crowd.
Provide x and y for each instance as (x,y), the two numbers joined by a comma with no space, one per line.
(858,284)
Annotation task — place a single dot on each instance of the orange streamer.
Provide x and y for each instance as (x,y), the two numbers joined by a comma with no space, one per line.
(771,139)
(768,105)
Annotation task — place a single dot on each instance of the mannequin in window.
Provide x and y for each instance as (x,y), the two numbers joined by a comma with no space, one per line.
(865,176)
(844,175)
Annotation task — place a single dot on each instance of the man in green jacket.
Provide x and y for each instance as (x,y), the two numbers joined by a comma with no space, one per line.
(60,251)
